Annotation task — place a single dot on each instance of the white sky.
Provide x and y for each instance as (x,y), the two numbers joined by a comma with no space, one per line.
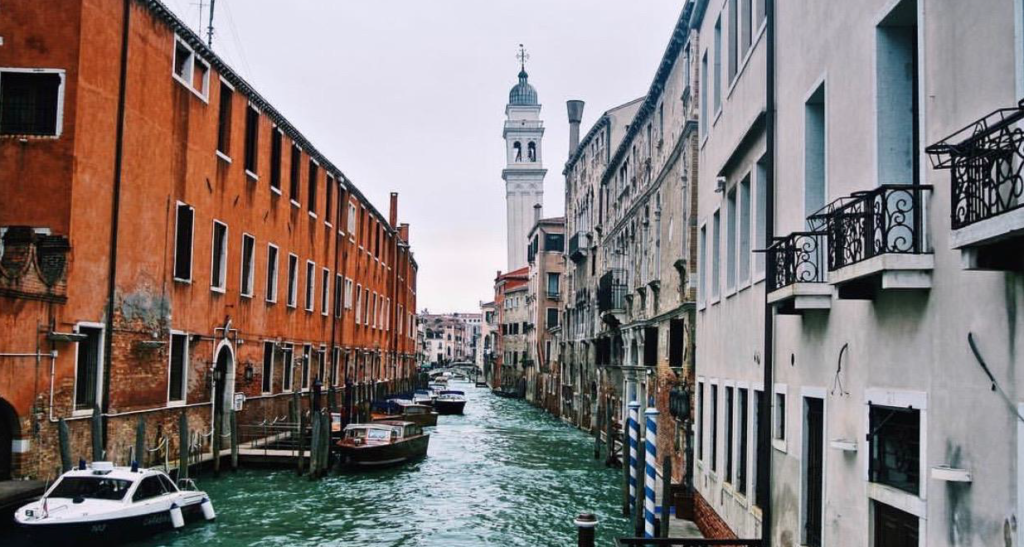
(409,96)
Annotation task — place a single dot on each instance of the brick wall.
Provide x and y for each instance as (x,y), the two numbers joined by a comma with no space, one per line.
(710,524)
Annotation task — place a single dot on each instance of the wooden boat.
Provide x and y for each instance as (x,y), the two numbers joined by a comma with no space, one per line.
(505,394)
(387,442)
(404,409)
(110,505)
(450,402)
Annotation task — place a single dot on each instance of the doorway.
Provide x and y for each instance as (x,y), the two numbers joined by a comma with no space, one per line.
(9,431)
(814,464)
(223,376)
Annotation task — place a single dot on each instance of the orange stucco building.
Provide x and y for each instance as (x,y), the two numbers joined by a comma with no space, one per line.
(170,240)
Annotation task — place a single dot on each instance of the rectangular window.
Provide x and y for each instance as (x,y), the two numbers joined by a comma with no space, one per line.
(705,121)
(339,287)
(746,25)
(183,225)
(552,285)
(716,252)
(348,294)
(31,103)
(729,431)
(552,318)
(702,245)
(815,161)
(335,365)
(275,161)
(896,93)
(366,307)
(744,235)
(741,440)
(248,252)
(252,139)
(267,374)
(325,291)
(730,241)
(271,273)
(295,169)
(755,432)
(328,199)
(190,70)
(176,376)
(895,447)
(321,364)
(714,428)
(293,280)
(224,119)
(373,308)
(87,368)
(734,35)
(700,421)
(761,210)
(307,356)
(310,283)
(718,64)
(218,274)
(287,365)
(352,220)
(780,416)
(314,172)
(359,303)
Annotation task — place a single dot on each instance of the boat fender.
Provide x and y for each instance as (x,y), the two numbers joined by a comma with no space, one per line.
(207,507)
(177,519)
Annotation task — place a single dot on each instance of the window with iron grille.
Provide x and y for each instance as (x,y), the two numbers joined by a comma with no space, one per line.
(895,447)
(30,103)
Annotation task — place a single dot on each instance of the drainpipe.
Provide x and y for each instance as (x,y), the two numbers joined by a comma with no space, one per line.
(115,216)
(764,465)
(338,240)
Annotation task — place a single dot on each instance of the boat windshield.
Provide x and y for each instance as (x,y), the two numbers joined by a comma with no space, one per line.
(98,488)
(378,434)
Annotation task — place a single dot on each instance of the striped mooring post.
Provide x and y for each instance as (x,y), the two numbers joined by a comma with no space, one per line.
(650,473)
(634,436)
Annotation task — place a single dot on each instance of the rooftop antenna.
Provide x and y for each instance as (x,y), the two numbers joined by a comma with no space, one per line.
(523,56)
(209,27)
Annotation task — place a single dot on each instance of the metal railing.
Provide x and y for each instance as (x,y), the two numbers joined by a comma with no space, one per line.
(611,290)
(797,258)
(984,160)
(578,245)
(886,220)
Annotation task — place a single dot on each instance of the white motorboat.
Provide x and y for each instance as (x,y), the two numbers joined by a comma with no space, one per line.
(104,503)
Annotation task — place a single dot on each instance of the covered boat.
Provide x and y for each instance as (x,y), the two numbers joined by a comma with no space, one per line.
(387,442)
(111,504)
(450,401)
(405,409)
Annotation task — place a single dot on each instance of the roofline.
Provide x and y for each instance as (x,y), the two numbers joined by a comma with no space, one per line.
(605,119)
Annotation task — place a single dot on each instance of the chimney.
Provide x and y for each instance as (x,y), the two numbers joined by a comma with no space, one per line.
(536,213)
(575,117)
(393,216)
(403,231)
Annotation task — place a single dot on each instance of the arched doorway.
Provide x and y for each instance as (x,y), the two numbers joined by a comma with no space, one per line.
(9,431)
(224,381)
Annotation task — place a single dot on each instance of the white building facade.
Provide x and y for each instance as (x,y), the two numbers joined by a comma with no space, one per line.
(524,171)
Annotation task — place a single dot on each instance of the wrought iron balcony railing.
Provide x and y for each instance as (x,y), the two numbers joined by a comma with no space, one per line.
(611,290)
(985,160)
(797,258)
(578,245)
(886,220)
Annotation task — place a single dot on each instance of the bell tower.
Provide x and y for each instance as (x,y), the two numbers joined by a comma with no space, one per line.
(524,167)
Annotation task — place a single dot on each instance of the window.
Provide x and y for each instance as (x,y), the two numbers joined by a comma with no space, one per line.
(307,355)
(700,421)
(224,119)
(730,240)
(275,161)
(293,280)
(554,243)
(359,303)
(741,440)
(314,169)
(148,488)
(729,431)
(183,225)
(552,318)
(744,236)
(372,316)
(815,161)
(252,139)
(734,36)
(714,428)
(352,220)
(755,432)
(531,148)
(287,362)
(248,250)
(321,363)
(325,291)
(366,307)
(87,368)
(348,294)
(293,189)
(267,375)
(702,264)
(31,102)
(896,93)
(310,283)
(517,150)
(746,26)
(552,285)
(328,199)
(178,368)
(190,70)
(761,210)
(339,287)
(718,64)
(271,273)
(705,121)
(780,415)
(335,363)
(218,274)
(895,447)
(716,251)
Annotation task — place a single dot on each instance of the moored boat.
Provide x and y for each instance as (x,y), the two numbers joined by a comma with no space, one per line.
(405,409)
(387,442)
(107,504)
(424,397)
(450,401)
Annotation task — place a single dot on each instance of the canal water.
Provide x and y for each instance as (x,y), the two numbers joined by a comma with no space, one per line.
(505,473)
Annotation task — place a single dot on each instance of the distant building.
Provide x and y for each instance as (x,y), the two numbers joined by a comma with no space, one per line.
(488,338)
(450,337)
(546,256)
(510,350)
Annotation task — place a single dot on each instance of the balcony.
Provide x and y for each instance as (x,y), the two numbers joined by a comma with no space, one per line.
(578,245)
(876,241)
(553,294)
(611,291)
(797,273)
(985,160)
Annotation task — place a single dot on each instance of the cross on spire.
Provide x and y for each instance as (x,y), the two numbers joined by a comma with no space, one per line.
(523,57)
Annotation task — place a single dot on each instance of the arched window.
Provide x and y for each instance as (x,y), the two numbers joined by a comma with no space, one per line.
(517,147)
(532,151)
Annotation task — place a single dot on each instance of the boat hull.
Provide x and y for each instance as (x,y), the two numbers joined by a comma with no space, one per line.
(381,455)
(105,531)
(449,407)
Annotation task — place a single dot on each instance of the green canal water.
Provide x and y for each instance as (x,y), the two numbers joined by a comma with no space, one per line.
(504,474)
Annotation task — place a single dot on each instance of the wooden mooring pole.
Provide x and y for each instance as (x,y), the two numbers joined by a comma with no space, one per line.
(140,442)
(64,438)
(314,446)
(97,434)
(666,495)
(586,526)
(610,460)
(638,514)
(597,435)
(182,445)
(234,440)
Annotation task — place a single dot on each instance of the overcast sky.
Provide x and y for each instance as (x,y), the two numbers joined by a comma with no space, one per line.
(409,96)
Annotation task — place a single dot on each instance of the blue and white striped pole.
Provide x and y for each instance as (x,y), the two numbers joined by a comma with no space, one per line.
(634,436)
(650,478)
